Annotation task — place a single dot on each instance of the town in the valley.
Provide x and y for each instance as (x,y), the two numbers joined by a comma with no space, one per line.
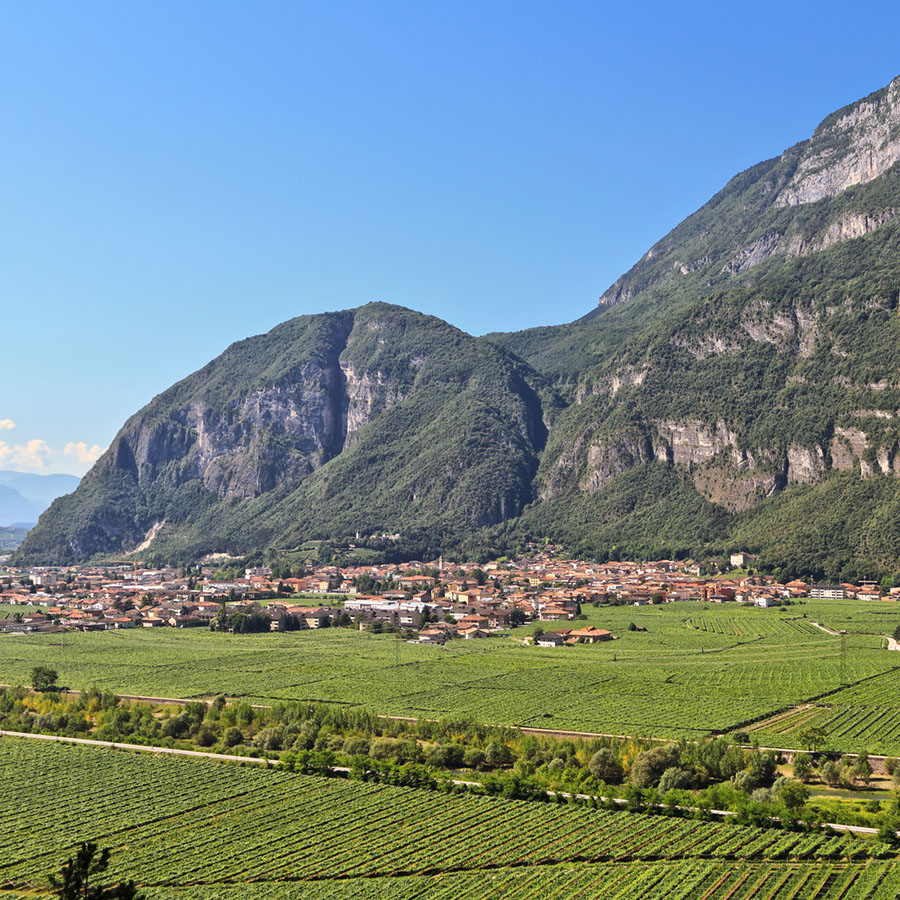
(426,603)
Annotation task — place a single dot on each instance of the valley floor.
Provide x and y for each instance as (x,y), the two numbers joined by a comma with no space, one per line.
(697,669)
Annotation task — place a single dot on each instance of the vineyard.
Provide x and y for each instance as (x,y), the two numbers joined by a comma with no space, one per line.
(866,715)
(854,616)
(7,611)
(188,828)
(689,674)
(740,627)
(704,880)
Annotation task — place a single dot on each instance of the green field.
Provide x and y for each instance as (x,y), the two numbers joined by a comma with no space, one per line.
(7,611)
(866,715)
(186,828)
(856,616)
(861,716)
(695,670)
(689,880)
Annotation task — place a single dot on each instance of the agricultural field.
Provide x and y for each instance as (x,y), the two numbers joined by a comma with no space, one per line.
(190,828)
(865,715)
(696,670)
(7,611)
(854,616)
(690,880)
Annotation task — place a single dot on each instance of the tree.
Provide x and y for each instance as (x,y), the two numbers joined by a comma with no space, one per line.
(792,794)
(863,768)
(674,779)
(497,754)
(831,772)
(76,878)
(517,617)
(44,678)
(802,766)
(605,765)
(649,765)
(814,738)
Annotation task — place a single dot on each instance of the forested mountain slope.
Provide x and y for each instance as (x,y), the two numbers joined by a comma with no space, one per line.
(371,420)
(738,386)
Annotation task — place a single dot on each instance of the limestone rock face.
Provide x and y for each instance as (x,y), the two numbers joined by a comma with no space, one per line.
(805,465)
(378,418)
(852,147)
(609,458)
(691,442)
(245,448)
(368,395)
(758,217)
(734,489)
(847,448)
(753,254)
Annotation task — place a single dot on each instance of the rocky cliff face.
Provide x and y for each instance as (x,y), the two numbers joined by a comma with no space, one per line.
(754,328)
(852,146)
(748,359)
(328,424)
(758,216)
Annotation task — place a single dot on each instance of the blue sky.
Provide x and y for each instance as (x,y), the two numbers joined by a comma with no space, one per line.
(177,176)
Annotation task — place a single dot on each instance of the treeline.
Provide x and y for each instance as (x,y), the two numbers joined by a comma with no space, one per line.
(325,739)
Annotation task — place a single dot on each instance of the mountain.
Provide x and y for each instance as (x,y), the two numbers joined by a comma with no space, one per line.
(839,185)
(746,365)
(24,496)
(11,537)
(16,508)
(738,387)
(377,420)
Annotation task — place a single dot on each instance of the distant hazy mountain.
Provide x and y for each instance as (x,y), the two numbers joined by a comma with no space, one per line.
(11,537)
(737,388)
(23,496)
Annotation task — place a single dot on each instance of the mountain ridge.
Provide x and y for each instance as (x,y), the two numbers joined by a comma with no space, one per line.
(285,430)
(747,361)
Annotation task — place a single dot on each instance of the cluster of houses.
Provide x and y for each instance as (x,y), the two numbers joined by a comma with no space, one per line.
(434,603)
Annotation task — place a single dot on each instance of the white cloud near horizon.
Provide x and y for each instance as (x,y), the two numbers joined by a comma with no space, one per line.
(84,454)
(7,425)
(37,457)
(33,456)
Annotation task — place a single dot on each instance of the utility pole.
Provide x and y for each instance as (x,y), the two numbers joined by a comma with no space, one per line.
(843,658)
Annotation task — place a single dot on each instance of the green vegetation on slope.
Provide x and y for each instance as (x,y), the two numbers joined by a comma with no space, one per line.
(375,420)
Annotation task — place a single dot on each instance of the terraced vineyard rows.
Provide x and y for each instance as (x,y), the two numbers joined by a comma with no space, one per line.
(179,823)
(742,627)
(687,880)
(866,716)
